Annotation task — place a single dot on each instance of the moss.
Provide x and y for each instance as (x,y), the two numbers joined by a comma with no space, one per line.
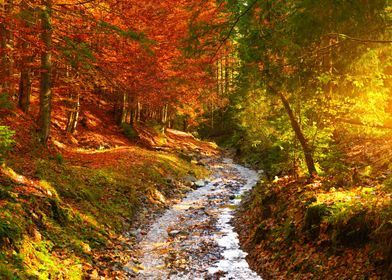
(185,157)
(58,213)
(6,273)
(353,232)
(10,227)
(129,131)
(78,210)
(313,217)
(260,234)
(6,194)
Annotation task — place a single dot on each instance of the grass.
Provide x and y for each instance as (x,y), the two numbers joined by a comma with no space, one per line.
(55,227)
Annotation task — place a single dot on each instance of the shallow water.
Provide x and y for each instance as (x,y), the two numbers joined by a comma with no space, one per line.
(194,238)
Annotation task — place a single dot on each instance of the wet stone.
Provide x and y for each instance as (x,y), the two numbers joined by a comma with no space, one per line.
(200,183)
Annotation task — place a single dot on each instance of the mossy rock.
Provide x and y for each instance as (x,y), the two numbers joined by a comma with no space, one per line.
(185,157)
(313,217)
(354,232)
(260,234)
(289,231)
(57,213)
(10,232)
(269,198)
(383,238)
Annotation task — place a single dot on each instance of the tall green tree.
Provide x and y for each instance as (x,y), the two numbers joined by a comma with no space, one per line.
(300,49)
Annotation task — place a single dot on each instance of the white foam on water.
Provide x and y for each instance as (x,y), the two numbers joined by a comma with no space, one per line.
(233,263)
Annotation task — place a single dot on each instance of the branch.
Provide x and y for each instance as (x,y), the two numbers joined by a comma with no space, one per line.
(361,40)
(75,4)
(232,29)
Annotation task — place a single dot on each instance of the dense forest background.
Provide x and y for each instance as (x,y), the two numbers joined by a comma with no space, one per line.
(282,81)
(300,89)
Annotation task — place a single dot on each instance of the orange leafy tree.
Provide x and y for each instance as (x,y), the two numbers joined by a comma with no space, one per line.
(131,53)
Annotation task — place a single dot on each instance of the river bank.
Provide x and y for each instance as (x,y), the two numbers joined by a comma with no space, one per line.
(67,214)
(308,229)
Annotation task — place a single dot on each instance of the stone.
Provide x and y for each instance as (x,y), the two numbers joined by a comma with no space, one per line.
(190,178)
(200,183)
(174,233)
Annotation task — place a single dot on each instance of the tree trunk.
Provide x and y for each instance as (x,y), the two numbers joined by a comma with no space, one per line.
(6,45)
(24,88)
(25,72)
(138,111)
(73,114)
(298,133)
(226,74)
(124,108)
(164,114)
(46,73)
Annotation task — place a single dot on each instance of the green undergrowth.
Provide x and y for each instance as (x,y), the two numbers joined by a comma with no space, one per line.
(309,230)
(51,226)
(129,131)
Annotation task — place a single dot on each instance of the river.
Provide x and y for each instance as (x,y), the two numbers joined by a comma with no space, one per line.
(194,239)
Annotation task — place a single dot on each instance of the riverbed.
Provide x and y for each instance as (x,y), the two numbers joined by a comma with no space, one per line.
(194,239)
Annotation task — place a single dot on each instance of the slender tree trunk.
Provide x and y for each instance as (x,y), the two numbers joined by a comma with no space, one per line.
(11,61)
(73,115)
(6,45)
(129,110)
(212,115)
(138,110)
(164,114)
(133,114)
(298,132)
(24,88)
(217,78)
(124,108)
(46,73)
(226,74)
(24,94)
(222,76)
(4,59)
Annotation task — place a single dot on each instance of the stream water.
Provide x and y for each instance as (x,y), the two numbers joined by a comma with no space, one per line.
(194,239)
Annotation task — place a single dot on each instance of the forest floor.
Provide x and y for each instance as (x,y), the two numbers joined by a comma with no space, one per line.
(77,209)
(336,226)
(66,211)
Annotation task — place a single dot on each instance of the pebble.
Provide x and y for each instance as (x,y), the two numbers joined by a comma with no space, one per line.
(200,183)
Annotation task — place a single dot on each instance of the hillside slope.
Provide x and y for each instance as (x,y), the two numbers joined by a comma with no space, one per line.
(66,210)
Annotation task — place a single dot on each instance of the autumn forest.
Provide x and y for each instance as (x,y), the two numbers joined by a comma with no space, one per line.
(210,139)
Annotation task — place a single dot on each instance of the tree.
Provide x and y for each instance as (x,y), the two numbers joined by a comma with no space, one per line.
(46,72)
(295,47)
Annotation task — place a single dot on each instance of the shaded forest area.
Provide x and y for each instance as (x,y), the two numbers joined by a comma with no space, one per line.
(90,91)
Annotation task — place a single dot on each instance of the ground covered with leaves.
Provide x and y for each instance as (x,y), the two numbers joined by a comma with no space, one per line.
(315,229)
(66,212)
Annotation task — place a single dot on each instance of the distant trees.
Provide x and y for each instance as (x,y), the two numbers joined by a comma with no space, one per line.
(131,51)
